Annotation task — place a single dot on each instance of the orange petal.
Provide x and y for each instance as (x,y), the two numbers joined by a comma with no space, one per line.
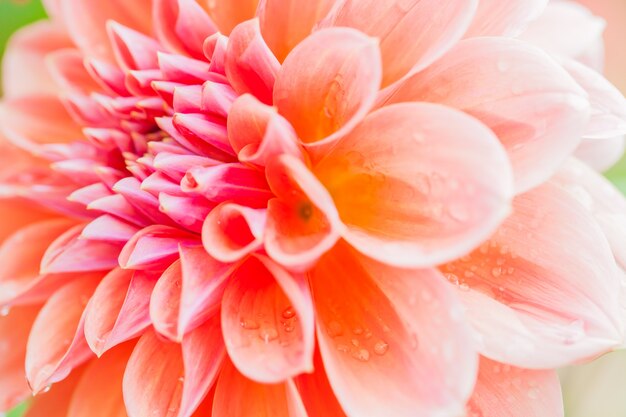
(328,83)
(227,14)
(267,320)
(55,402)
(432,184)
(56,344)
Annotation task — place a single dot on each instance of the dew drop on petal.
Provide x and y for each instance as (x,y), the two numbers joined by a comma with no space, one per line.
(249,324)
(381,347)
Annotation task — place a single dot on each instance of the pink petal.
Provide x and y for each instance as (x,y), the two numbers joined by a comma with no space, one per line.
(23,66)
(169,378)
(182,25)
(118,310)
(328,83)
(419,204)
(268,324)
(285,23)
(68,70)
(252,399)
(608,105)
(302,222)
(227,14)
(86,22)
(165,302)
(133,50)
(506,391)
(601,154)
(250,65)
(99,391)
(504,18)
(258,134)
(22,253)
(545,282)
(56,344)
(109,228)
(153,248)
(231,231)
(70,253)
(413,34)
(537,111)
(398,328)
(14,329)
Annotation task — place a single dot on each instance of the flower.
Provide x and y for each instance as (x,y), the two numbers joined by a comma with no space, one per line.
(324,208)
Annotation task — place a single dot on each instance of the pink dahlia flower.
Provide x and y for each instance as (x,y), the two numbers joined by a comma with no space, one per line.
(322,208)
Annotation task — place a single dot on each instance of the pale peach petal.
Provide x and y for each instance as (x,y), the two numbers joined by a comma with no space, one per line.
(86,21)
(15,326)
(182,25)
(396,329)
(419,203)
(267,320)
(118,310)
(534,107)
(544,291)
(66,66)
(413,34)
(99,391)
(250,65)
(231,231)
(285,23)
(23,66)
(504,18)
(56,344)
(302,221)
(506,391)
(166,379)
(328,83)
(251,399)
(227,14)
(21,213)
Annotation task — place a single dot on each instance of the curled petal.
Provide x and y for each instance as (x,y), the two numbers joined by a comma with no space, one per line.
(250,65)
(328,83)
(419,203)
(545,282)
(535,108)
(267,320)
(398,328)
(504,18)
(56,344)
(302,222)
(231,231)
(118,310)
(252,399)
(507,391)
(413,34)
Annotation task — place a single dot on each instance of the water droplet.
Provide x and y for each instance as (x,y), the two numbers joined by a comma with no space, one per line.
(381,347)
(268,334)
(334,329)
(362,355)
(343,348)
(464,287)
(47,388)
(5,311)
(355,342)
(289,313)
(358,330)
(533,393)
(496,272)
(249,324)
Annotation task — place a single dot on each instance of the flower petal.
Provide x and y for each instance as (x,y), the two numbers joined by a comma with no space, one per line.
(55,402)
(86,21)
(328,83)
(316,393)
(398,328)
(267,320)
(302,222)
(601,154)
(118,310)
(15,326)
(228,14)
(285,23)
(506,391)
(545,282)
(420,202)
(413,34)
(504,18)
(250,65)
(252,399)
(535,108)
(99,391)
(56,344)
